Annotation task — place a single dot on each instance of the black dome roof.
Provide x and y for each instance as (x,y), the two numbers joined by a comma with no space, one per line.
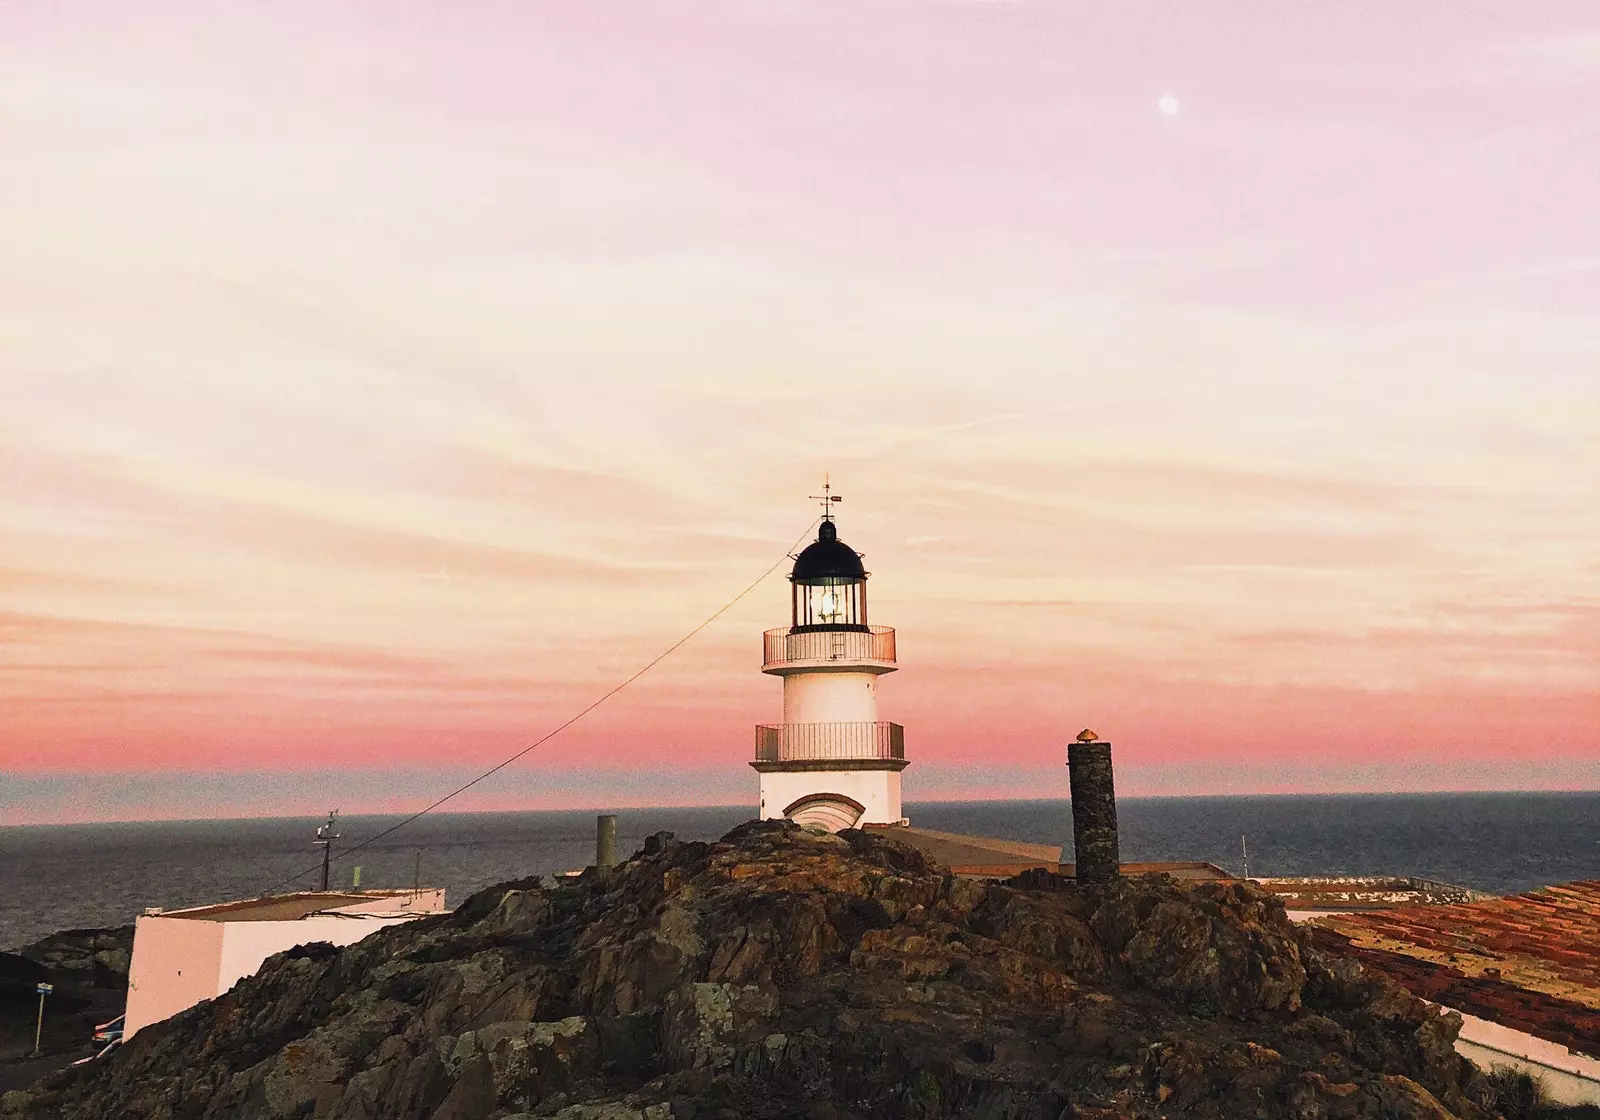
(828,556)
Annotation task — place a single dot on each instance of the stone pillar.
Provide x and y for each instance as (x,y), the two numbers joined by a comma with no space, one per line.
(1094,811)
(605,840)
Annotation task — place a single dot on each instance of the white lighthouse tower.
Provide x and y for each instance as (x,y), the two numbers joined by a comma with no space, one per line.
(831,762)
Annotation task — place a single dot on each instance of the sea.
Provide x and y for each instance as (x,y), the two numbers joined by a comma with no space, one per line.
(55,877)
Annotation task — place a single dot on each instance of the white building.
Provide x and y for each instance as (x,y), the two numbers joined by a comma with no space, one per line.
(831,762)
(181,957)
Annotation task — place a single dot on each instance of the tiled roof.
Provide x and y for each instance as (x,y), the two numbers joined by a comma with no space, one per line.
(1531,961)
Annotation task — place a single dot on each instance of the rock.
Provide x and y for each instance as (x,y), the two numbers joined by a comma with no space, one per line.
(784,973)
(614,1112)
(702,1024)
(1214,947)
(97,956)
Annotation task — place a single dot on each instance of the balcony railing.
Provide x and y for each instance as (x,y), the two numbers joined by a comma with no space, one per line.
(876,643)
(805,742)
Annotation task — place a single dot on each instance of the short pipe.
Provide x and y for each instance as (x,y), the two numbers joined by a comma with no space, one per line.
(605,840)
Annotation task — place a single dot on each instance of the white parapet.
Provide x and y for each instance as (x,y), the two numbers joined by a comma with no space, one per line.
(1566,1077)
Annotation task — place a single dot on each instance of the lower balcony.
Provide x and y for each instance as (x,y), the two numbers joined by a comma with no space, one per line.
(830,742)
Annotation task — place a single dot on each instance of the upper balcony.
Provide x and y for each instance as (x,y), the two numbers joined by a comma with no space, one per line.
(867,650)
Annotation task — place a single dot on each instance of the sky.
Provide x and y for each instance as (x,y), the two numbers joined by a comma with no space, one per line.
(382,384)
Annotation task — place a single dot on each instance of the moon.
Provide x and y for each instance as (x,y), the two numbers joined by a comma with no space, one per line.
(1168,105)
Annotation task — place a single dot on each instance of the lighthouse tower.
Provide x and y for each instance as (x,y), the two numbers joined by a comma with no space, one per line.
(831,762)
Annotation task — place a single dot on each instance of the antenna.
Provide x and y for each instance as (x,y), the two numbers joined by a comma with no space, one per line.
(827,498)
(1243,847)
(325,838)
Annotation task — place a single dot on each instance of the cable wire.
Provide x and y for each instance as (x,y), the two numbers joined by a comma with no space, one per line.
(660,657)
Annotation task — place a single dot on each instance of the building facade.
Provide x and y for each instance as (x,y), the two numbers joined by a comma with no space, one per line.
(181,957)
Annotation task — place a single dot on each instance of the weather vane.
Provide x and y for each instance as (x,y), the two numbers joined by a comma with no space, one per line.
(827,498)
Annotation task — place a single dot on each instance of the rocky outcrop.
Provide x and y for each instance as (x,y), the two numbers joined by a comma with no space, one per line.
(779,973)
(99,957)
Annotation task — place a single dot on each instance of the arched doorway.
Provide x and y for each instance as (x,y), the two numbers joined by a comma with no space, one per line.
(831,811)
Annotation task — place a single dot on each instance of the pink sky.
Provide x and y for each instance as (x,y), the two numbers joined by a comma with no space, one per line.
(378,386)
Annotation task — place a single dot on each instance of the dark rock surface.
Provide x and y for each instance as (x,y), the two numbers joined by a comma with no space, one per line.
(98,957)
(779,973)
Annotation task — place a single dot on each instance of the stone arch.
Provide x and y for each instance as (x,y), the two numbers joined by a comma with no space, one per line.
(832,811)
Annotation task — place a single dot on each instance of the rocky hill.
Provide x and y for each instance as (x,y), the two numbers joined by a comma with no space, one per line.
(779,973)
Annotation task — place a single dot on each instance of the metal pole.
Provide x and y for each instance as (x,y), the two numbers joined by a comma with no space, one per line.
(325,837)
(605,840)
(38,1026)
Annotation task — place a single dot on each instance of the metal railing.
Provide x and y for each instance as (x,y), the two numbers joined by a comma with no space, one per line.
(876,643)
(797,742)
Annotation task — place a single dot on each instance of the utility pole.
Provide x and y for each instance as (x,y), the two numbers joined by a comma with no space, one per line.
(325,838)
(1246,850)
(38,1026)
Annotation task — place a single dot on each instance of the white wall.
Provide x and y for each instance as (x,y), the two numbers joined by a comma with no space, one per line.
(1569,1078)
(175,963)
(877,790)
(245,945)
(827,697)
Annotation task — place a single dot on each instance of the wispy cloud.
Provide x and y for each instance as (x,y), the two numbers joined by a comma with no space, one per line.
(398,410)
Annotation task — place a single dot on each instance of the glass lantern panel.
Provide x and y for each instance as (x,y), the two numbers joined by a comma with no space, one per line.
(838,603)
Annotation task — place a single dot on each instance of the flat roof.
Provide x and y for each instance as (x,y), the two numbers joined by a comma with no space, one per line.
(285,907)
(1530,961)
(988,858)
(1188,870)
(953,849)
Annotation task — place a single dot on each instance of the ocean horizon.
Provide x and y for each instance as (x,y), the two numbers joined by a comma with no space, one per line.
(68,876)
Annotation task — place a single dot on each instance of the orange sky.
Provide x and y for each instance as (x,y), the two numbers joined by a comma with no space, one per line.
(371,402)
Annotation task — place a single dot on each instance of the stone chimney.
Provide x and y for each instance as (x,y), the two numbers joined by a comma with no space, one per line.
(1094,809)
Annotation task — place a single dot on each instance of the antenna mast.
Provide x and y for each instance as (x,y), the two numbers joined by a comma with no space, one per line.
(325,838)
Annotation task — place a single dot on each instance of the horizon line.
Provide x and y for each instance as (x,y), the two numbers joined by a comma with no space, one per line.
(1554,792)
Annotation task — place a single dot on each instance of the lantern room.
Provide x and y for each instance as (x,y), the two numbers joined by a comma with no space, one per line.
(828,585)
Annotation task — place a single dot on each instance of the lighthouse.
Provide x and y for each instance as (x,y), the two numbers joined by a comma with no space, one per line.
(831,762)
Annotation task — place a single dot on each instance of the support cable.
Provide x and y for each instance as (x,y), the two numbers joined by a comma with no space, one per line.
(662,656)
